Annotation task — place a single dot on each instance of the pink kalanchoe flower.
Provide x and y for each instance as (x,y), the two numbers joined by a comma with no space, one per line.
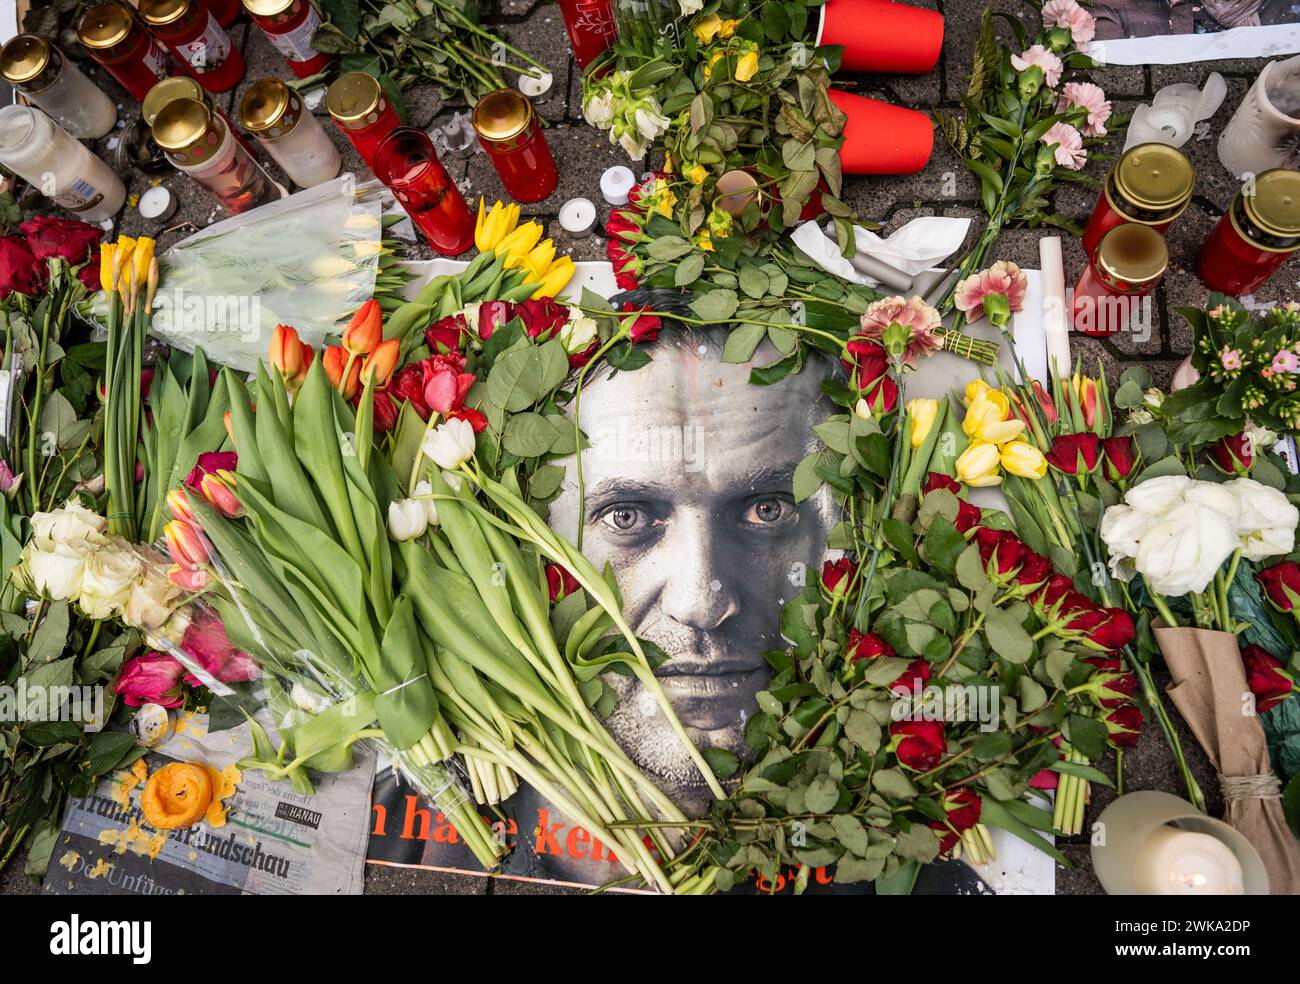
(1003,277)
(1085,95)
(1069,146)
(914,314)
(1286,361)
(1044,59)
(1231,359)
(1068,13)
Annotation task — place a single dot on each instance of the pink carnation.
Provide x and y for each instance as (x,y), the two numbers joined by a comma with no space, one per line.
(1085,95)
(1068,13)
(1003,277)
(914,314)
(1044,59)
(1069,146)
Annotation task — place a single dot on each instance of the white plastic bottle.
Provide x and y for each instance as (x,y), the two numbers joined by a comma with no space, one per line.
(40,151)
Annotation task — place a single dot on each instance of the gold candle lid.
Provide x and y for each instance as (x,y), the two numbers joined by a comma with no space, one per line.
(23,58)
(734,191)
(1155,176)
(269,109)
(267,8)
(1133,254)
(187,131)
(160,13)
(355,100)
(105,26)
(502,115)
(163,92)
(1275,206)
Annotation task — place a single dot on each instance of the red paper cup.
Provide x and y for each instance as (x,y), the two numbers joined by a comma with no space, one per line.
(880,138)
(882,36)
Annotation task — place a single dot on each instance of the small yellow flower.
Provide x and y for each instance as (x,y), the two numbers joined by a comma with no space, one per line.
(668,162)
(538,261)
(1025,460)
(553,281)
(986,419)
(747,66)
(713,60)
(707,28)
(977,466)
(728,28)
(697,174)
(665,200)
(519,244)
(495,225)
(705,242)
(922,414)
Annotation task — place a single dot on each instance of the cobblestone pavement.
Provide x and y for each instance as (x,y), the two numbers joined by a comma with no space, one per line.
(943,188)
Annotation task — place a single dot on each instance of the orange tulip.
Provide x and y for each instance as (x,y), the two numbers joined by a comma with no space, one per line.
(290,355)
(218,489)
(337,361)
(185,544)
(230,430)
(381,363)
(365,330)
(179,503)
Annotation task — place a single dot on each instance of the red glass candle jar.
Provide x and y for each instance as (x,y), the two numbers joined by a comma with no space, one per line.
(509,131)
(362,110)
(190,30)
(1255,236)
(225,11)
(1130,261)
(289,26)
(590,24)
(1151,184)
(406,162)
(118,41)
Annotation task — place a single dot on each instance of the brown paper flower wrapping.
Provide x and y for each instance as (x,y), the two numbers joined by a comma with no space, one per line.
(1209,689)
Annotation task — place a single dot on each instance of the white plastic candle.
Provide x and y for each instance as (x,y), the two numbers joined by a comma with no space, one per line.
(1055,330)
(532,87)
(577,217)
(616,184)
(1184,862)
(39,150)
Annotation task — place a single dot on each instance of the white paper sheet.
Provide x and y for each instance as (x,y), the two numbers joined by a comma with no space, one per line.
(1265,41)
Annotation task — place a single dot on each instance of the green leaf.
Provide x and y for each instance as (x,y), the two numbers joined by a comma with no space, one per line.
(523,376)
(741,343)
(528,435)
(1007,637)
(688,271)
(1086,734)
(51,636)
(893,783)
(723,763)
(716,305)
(822,794)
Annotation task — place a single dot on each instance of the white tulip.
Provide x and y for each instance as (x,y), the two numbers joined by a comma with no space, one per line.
(407,519)
(1159,495)
(1185,549)
(1265,519)
(56,573)
(421,490)
(451,444)
(107,582)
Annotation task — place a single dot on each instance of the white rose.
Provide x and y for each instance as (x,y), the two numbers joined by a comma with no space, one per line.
(1265,519)
(690,6)
(1183,551)
(71,525)
(56,573)
(578,332)
(407,519)
(430,506)
(1261,438)
(598,110)
(150,603)
(1159,495)
(451,444)
(1121,530)
(1215,495)
(634,148)
(650,122)
(107,582)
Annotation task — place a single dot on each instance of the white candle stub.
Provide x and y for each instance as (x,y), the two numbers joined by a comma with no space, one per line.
(616,184)
(156,204)
(1056,328)
(578,217)
(1173,861)
(532,87)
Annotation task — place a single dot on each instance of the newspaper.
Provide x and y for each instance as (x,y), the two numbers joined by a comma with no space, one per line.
(275,841)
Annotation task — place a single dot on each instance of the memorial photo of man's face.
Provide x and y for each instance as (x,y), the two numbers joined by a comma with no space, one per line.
(688,483)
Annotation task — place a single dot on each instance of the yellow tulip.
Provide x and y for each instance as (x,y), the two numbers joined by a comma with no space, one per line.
(697,174)
(553,281)
(1023,459)
(707,29)
(986,419)
(519,244)
(106,260)
(539,260)
(977,466)
(495,225)
(974,388)
(922,414)
(747,67)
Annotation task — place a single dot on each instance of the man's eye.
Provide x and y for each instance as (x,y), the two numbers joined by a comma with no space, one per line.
(765,512)
(623,519)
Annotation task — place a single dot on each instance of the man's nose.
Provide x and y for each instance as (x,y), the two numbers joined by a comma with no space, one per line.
(697,592)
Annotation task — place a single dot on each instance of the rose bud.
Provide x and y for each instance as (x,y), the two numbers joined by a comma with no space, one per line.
(1072,453)
(1233,455)
(938,480)
(881,397)
(1119,458)
(866,360)
(1045,779)
(838,574)
(962,811)
(913,680)
(1002,551)
(365,330)
(866,645)
(1268,680)
(1123,726)
(151,678)
(1108,664)
(1281,583)
(1111,689)
(445,334)
(968,517)
(380,364)
(559,583)
(1035,570)
(1057,589)
(919,745)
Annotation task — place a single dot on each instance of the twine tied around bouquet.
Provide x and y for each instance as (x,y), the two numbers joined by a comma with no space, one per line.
(1264,786)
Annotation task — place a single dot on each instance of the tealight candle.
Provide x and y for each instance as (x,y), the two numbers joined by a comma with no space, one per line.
(157,204)
(577,217)
(616,185)
(534,86)
(1184,862)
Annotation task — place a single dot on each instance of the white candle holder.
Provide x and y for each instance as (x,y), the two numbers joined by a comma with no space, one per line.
(1264,132)
(1139,823)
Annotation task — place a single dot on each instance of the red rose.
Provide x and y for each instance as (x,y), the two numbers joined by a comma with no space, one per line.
(580,359)
(836,571)
(913,680)
(559,582)
(1124,726)
(866,360)
(445,335)
(1233,455)
(1045,779)
(961,808)
(209,463)
(1119,456)
(626,266)
(938,480)
(866,645)
(475,419)
(446,382)
(921,743)
(492,315)
(968,517)
(1114,631)
(1268,680)
(646,327)
(1057,588)
(19,270)
(151,678)
(882,395)
(542,317)
(407,384)
(1110,664)
(1034,570)
(206,642)
(1070,452)
(1281,583)
(1113,689)
(622,226)
(1001,550)
(67,239)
